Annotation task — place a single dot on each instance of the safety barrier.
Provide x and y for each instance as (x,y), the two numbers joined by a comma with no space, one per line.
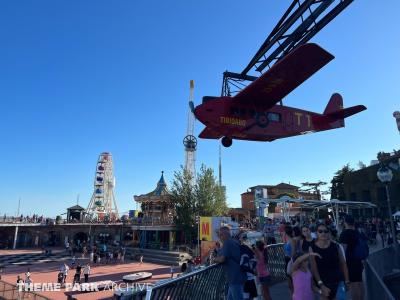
(276,262)
(378,265)
(11,292)
(209,282)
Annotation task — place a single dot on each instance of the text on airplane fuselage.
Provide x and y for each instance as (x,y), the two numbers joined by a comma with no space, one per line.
(299,117)
(232,121)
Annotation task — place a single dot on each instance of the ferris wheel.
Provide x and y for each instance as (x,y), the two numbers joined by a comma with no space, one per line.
(102,204)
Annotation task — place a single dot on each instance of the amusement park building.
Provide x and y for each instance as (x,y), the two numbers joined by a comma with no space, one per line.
(158,203)
(276,192)
(155,229)
(363,185)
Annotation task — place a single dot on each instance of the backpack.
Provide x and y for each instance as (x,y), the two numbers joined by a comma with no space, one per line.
(248,262)
(361,250)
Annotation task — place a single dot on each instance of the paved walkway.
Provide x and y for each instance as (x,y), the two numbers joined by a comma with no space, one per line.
(48,273)
(280,291)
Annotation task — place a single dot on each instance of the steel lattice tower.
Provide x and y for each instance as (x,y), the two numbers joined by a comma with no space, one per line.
(190,141)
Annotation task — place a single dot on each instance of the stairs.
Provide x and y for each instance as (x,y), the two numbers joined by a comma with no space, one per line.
(25,259)
(162,257)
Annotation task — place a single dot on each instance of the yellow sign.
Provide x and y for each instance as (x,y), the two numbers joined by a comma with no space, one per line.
(205,229)
(232,121)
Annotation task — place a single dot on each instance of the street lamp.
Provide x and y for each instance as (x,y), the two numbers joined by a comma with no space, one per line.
(385,176)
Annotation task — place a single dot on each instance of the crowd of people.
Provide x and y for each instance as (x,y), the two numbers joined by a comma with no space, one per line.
(101,253)
(33,219)
(79,270)
(323,261)
(88,258)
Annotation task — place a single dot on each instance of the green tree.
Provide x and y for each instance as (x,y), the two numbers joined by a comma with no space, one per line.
(211,198)
(203,198)
(337,188)
(183,196)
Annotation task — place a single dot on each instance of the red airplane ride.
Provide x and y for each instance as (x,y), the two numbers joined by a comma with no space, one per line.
(254,113)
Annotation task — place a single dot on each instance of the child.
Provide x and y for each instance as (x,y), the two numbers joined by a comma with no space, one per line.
(302,278)
(140,260)
(262,272)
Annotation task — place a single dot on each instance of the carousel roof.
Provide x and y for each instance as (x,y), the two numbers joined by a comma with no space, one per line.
(160,190)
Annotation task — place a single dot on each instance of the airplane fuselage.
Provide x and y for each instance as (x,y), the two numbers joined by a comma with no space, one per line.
(238,121)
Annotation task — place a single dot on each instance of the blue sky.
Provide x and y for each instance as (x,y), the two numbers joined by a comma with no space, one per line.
(81,77)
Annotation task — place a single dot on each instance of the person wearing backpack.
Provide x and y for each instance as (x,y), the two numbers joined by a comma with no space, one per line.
(356,249)
(248,266)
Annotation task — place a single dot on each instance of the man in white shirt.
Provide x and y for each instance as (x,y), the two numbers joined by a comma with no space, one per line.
(86,272)
(65,270)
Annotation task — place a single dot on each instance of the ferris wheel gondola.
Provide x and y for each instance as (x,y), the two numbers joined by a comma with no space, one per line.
(102,204)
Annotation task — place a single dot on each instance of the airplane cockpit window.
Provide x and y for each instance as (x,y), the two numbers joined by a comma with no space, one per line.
(274,117)
(235,111)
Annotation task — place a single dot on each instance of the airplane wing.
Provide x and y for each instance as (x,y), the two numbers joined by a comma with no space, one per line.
(286,75)
(208,133)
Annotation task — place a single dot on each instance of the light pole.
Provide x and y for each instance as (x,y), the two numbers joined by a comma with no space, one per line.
(385,176)
(198,235)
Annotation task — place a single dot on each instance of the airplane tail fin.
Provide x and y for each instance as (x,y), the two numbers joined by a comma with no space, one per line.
(334,104)
(335,114)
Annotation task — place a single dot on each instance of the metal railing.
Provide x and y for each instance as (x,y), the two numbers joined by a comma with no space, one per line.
(150,221)
(25,220)
(377,266)
(207,283)
(145,221)
(210,282)
(11,292)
